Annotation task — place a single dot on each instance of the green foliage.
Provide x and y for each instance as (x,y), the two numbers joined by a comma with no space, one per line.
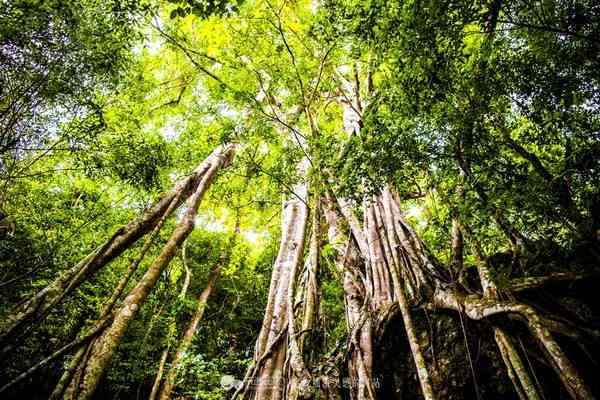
(451,87)
(204,8)
(55,57)
(102,108)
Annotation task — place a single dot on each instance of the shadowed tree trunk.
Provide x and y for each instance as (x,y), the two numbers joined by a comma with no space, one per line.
(186,339)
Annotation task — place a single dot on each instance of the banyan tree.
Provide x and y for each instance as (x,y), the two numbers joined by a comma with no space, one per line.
(316,200)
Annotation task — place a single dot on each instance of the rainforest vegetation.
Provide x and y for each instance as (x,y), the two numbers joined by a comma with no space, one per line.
(299,199)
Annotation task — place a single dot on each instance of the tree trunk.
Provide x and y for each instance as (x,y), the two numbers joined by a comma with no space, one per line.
(385,241)
(117,292)
(300,384)
(104,347)
(165,353)
(159,374)
(187,337)
(36,308)
(359,324)
(265,378)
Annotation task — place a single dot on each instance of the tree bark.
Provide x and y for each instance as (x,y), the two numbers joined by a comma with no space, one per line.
(359,324)
(187,337)
(104,346)
(163,358)
(36,308)
(159,374)
(385,207)
(265,378)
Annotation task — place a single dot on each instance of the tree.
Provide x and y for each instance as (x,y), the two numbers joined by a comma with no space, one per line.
(415,196)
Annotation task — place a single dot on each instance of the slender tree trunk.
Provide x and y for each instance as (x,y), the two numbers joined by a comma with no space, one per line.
(68,374)
(104,347)
(300,385)
(311,298)
(187,337)
(159,374)
(109,305)
(188,273)
(37,307)
(457,247)
(165,353)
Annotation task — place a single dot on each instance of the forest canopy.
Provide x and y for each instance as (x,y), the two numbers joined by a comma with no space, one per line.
(294,199)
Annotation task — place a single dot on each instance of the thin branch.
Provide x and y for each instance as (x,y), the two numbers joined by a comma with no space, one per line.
(590,38)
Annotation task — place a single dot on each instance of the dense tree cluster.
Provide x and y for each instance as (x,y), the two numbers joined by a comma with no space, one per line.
(283,200)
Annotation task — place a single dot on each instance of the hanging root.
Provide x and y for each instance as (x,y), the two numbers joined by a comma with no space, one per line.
(477,308)
(515,367)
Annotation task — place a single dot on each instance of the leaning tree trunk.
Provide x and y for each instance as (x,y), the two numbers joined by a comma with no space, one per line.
(37,307)
(186,339)
(163,358)
(94,364)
